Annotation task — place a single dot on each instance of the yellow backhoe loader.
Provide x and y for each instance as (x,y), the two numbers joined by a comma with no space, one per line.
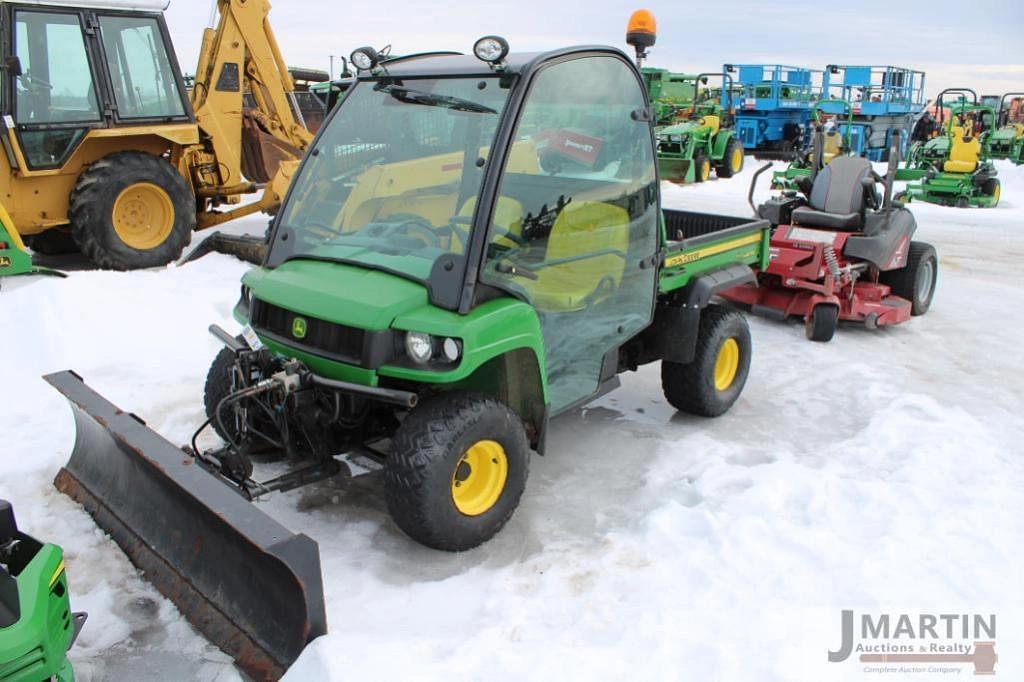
(104,149)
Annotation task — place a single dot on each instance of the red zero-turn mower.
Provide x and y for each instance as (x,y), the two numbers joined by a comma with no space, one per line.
(842,253)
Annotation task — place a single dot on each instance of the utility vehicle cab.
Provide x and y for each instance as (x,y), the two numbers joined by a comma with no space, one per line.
(403,193)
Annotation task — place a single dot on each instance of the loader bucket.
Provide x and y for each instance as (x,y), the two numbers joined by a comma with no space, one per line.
(250,585)
(247,247)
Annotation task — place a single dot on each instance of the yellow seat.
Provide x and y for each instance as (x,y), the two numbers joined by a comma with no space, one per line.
(712,122)
(964,152)
(832,146)
(508,215)
(575,279)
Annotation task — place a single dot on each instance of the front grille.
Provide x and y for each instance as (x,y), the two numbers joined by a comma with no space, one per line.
(327,339)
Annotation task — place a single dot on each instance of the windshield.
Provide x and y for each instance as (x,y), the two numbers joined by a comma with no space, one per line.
(393,179)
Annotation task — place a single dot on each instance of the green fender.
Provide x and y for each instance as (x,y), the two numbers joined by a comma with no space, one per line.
(719,143)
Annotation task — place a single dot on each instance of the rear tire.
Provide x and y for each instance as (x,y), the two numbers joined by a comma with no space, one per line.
(916,280)
(457,469)
(822,322)
(732,161)
(131,210)
(710,384)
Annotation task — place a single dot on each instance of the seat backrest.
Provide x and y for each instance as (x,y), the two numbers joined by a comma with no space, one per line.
(838,187)
(832,146)
(586,228)
(964,151)
(712,122)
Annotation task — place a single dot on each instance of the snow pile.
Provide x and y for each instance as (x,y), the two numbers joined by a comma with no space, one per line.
(880,472)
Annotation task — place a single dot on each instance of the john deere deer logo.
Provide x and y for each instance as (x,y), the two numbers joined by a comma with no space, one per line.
(299,327)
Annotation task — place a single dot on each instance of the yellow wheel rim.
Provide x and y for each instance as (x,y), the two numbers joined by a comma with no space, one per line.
(737,160)
(995,195)
(727,364)
(705,170)
(479,478)
(143,216)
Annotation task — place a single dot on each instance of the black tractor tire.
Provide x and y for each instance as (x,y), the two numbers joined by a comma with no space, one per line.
(693,387)
(163,211)
(429,451)
(56,241)
(901,197)
(700,162)
(962,202)
(916,280)
(822,322)
(991,188)
(218,387)
(726,168)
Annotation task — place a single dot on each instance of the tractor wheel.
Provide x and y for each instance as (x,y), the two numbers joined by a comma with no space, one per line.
(56,241)
(709,384)
(992,190)
(916,280)
(732,161)
(132,210)
(457,468)
(701,167)
(902,197)
(962,202)
(822,322)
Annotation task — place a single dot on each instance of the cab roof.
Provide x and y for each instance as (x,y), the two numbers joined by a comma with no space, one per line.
(123,5)
(448,64)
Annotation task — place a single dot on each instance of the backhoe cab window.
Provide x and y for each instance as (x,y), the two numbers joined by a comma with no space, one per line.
(140,69)
(393,179)
(56,84)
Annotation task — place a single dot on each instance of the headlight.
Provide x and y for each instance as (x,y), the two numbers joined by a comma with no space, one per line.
(419,346)
(491,49)
(450,349)
(365,58)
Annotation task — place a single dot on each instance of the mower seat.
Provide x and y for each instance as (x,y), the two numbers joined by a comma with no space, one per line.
(837,196)
(586,254)
(712,122)
(964,153)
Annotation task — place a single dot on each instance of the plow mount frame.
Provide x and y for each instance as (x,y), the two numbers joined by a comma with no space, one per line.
(249,584)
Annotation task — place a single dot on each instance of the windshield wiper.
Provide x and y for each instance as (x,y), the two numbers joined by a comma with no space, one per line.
(409,96)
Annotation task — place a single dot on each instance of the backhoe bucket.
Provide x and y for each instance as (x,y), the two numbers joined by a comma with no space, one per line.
(262,153)
(247,247)
(250,585)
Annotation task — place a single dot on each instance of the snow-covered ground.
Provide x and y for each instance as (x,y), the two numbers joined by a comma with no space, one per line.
(880,472)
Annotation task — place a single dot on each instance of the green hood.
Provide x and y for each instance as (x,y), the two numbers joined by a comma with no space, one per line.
(337,292)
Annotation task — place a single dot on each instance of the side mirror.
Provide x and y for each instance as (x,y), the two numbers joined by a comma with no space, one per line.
(12,65)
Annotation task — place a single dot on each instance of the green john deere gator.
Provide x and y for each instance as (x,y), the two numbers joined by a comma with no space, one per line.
(37,626)
(441,281)
(695,131)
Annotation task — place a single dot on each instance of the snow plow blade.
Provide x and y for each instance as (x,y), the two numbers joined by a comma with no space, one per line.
(250,585)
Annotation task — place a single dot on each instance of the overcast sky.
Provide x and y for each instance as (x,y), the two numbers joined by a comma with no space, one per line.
(974,43)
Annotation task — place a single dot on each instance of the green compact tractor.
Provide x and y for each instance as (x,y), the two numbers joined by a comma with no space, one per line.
(701,135)
(440,283)
(1007,140)
(953,168)
(826,138)
(37,626)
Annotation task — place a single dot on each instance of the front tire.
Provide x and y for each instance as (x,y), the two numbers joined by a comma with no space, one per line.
(218,386)
(131,210)
(916,280)
(822,322)
(992,190)
(709,384)
(701,167)
(457,469)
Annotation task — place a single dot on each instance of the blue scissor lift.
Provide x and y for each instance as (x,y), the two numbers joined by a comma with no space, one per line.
(774,106)
(885,99)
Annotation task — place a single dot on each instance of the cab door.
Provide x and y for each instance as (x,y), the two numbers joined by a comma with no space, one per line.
(575,225)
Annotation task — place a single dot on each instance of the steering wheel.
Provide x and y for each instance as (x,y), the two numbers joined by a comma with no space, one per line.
(407,225)
(35,83)
(461,224)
